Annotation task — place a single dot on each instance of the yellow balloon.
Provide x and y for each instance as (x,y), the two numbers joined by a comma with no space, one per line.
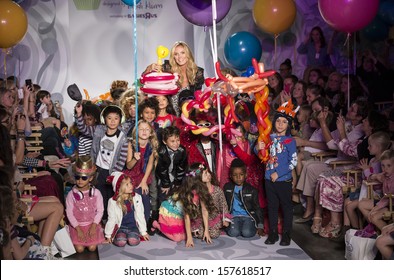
(274,16)
(162,51)
(13,23)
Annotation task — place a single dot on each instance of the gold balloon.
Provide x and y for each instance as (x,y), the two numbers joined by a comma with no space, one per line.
(274,16)
(13,24)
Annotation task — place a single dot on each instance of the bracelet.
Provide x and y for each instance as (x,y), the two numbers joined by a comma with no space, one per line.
(20,139)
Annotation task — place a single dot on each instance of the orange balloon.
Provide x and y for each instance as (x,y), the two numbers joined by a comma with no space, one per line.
(13,24)
(274,16)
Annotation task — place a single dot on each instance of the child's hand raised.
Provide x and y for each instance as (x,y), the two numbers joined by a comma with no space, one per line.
(137,156)
(364,164)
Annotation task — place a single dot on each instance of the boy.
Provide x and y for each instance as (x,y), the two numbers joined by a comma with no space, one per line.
(243,203)
(278,173)
(172,162)
(109,147)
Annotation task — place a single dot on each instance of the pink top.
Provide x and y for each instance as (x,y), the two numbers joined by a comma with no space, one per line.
(83,211)
(388,188)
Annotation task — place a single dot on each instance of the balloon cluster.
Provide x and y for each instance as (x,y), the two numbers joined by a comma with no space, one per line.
(262,109)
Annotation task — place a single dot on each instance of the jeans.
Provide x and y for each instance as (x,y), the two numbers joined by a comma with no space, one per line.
(125,235)
(242,226)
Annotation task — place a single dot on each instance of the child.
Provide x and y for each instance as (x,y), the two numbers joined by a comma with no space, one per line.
(172,162)
(126,220)
(109,148)
(377,144)
(148,111)
(140,163)
(278,175)
(243,202)
(181,214)
(219,217)
(43,102)
(91,117)
(303,116)
(167,114)
(373,211)
(84,207)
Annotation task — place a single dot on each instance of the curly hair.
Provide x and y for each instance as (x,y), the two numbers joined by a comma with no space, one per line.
(151,103)
(191,67)
(128,99)
(154,142)
(192,185)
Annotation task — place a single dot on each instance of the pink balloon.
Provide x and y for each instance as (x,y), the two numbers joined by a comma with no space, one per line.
(348,15)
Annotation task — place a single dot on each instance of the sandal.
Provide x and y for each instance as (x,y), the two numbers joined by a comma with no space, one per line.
(316,226)
(331,233)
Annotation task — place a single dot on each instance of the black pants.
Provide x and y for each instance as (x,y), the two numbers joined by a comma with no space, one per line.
(279,194)
(105,189)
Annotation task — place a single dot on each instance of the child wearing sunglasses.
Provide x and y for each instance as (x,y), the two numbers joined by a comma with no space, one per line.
(85,207)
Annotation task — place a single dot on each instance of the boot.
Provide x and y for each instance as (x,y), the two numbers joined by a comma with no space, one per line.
(286,239)
(272,237)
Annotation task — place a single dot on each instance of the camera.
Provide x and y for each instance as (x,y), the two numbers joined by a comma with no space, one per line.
(29,84)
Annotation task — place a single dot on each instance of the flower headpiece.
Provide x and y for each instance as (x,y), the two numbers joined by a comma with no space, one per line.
(287,109)
(193,173)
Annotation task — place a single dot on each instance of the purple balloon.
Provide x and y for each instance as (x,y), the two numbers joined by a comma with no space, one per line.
(348,16)
(200,12)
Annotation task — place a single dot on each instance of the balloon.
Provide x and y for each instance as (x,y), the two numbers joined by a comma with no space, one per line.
(240,48)
(376,31)
(264,125)
(159,83)
(13,24)
(162,52)
(348,16)
(274,16)
(130,2)
(386,12)
(248,72)
(199,12)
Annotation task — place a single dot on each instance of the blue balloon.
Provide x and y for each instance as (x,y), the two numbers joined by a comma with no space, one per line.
(248,72)
(130,2)
(376,31)
(240,48)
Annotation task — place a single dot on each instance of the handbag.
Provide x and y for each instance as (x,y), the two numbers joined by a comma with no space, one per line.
(359,248)
(63,242)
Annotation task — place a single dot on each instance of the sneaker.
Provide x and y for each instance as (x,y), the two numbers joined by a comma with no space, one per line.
(50,256)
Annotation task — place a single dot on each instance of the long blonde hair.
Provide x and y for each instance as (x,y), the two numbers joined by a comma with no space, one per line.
(121,196)
(191,66)
(152,138)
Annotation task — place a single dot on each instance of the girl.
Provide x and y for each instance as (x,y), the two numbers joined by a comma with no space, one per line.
(220,216)
(167,114)
(278,175)
(84,207)
(191,201)
(377,144)
(125,213)
(373,211)
(141,162)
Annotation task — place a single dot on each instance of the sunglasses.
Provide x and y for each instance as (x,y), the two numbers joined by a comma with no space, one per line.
(185,98)
(84,178)
(208,124)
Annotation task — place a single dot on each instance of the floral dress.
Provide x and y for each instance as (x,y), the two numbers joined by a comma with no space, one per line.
(215,218)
